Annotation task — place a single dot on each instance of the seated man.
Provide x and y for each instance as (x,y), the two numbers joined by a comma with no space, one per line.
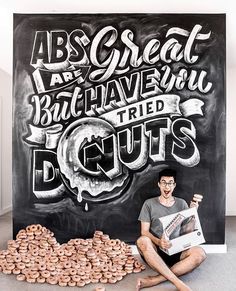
(167,267)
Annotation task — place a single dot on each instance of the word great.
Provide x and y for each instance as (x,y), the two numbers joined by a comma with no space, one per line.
(58,50)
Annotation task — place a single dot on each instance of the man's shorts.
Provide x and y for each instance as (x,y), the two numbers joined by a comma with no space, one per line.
(169,260)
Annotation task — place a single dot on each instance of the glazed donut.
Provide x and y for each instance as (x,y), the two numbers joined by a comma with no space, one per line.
(33,227)
(72,272)
(54,273)
(60,265)
(81,283)
(96,275)
(62,283)
(116,247)
(42,252)
(28,228)
(45,273)
(112,242)
(60,252)
(30,280)
(16,271)
(88,265)
(94,281)
(66,272)
(10,259)
(34,274)
(77,241)
(38,234)
(43,229)
(63,258)
(198,196)
(91,254)
(17,259)
(137,270)
(104,268)
(28,265)
(25,258)
(98,233)
(72,284)
(107,275)
(96,264)
(76,278)
(41,279)
(34,253)
(50,266)
(82,264)
(80,272)
(137,264)
(119,277)
(122,273)
(53,259)
(112,269)
(87,281)
(84,242)
(143,267)
(20,277)
(23,251)
(39,227)
(65,278)
(68,253)
(82,259)
(112,280)
(6,271)
(10,266)
(67,264)
(53,280)
(103,280)
(2,256)
(105,237)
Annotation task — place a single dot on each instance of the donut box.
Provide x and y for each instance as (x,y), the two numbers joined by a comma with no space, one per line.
(36,257)
(189,236)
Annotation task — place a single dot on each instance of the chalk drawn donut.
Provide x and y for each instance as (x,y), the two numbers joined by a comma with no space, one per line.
(91,184)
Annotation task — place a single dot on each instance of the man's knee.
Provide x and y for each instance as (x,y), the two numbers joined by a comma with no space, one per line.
(199,255)
(143,243)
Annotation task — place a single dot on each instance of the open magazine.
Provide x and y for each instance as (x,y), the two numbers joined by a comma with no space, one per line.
(189,229)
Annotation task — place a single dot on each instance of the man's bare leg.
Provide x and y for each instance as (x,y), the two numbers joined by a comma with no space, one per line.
(190,259)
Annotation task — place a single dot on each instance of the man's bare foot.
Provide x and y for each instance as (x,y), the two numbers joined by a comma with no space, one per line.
(183,287)
(155,280)
(146,282)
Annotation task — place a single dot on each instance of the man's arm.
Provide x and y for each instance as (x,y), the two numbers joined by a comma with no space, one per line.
(145,231)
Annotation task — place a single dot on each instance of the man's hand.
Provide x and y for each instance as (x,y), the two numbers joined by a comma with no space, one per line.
(164,243)
(197,198)
(194,204)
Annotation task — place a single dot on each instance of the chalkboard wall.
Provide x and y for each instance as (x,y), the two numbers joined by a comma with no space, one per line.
(101,104)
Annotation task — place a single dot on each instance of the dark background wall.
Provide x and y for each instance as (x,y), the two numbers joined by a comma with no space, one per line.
(50,183)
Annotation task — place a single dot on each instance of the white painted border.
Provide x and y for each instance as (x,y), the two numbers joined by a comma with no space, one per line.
(231,213)
(1,154)
(6,210)
(209,249)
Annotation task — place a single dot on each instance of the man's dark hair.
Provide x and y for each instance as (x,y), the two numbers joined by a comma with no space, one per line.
(167,173)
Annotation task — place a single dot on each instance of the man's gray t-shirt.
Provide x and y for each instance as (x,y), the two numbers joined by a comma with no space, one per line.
(152,210)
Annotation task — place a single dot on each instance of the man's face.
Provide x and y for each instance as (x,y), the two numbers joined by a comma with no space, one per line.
(167,186)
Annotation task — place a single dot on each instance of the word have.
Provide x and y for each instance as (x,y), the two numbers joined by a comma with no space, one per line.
(57,50)
(115,94)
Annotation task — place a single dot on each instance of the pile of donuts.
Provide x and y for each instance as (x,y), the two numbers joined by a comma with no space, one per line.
(36,257)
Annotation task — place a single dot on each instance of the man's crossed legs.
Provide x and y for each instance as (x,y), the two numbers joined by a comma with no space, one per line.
(189,260)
